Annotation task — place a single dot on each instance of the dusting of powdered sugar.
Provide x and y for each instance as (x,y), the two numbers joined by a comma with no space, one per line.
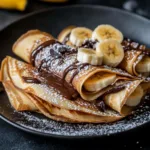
(41,124)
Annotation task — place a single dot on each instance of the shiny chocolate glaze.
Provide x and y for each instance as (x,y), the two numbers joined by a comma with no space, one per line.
(89,44)
(62,86)
(76,66)
(115,89)
(43,62)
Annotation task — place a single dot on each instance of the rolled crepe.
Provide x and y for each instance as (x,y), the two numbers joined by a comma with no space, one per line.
(136,60)
(79,75)
(42,98)
(131,59)
(45,99)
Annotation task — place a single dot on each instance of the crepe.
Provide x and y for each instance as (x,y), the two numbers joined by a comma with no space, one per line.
(58,68)
(45,99)
(117,99)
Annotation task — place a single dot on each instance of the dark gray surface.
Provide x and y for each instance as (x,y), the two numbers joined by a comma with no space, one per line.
(15,139)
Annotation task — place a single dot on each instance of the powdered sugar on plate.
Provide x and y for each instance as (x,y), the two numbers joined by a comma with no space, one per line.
(41,124)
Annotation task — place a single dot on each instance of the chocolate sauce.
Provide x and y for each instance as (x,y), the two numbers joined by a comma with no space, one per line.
(131,45)
(78,67)
(61,85)
(100,101)
(114,90)
(89,44)
(44,56)
(66,39)
(40,48)
(31,80)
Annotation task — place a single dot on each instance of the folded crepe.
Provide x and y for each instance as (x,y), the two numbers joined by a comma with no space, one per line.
(44,99)
(56,62)
(55,59)
(136,58)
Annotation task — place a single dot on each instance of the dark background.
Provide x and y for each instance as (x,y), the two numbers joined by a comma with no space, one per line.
(15,139)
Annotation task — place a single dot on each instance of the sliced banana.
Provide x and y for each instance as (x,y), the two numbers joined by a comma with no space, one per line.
(135,98)
(99,81)
(104,32)
(86,55)
(143,65)
(79,35)
(112,50)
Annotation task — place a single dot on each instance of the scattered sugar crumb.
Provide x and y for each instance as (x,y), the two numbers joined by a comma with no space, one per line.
(40,123)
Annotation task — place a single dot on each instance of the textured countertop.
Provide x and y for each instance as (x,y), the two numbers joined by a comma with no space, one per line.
(14,139)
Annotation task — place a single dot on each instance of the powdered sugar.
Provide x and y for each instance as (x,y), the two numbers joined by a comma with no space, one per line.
(42,124)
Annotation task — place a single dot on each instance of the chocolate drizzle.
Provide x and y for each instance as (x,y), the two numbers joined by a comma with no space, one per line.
(40,48)
(44,56)
(61,85)
(115,89)
(131,45)
(100,101)
(89,44)
(78,67)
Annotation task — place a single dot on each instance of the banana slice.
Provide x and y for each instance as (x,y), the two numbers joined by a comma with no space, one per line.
(135,98)
(112,50)
(143,65)
(79,35)
(99,81)
(104,32)
(86,55)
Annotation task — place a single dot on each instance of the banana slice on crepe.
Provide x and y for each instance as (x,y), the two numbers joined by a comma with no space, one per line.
(86,55)
(99,81)
(112,50)
(105,32)
(135,98)
(144,65)
(79,35)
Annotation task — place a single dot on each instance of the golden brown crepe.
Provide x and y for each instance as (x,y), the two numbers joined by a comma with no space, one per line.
(131,59)
(44,99)
(80,79)
(129,82)
(30,87)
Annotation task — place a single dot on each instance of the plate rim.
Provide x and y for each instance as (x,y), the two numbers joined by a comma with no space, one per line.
(16,125)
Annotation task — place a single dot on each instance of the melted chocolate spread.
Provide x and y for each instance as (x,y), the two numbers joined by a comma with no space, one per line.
(56,51)
(100,103)
(115,89)
(89,44)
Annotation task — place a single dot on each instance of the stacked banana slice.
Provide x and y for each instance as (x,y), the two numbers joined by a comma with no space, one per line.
(108,50)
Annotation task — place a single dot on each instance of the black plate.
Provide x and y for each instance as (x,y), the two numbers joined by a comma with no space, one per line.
(53,21)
